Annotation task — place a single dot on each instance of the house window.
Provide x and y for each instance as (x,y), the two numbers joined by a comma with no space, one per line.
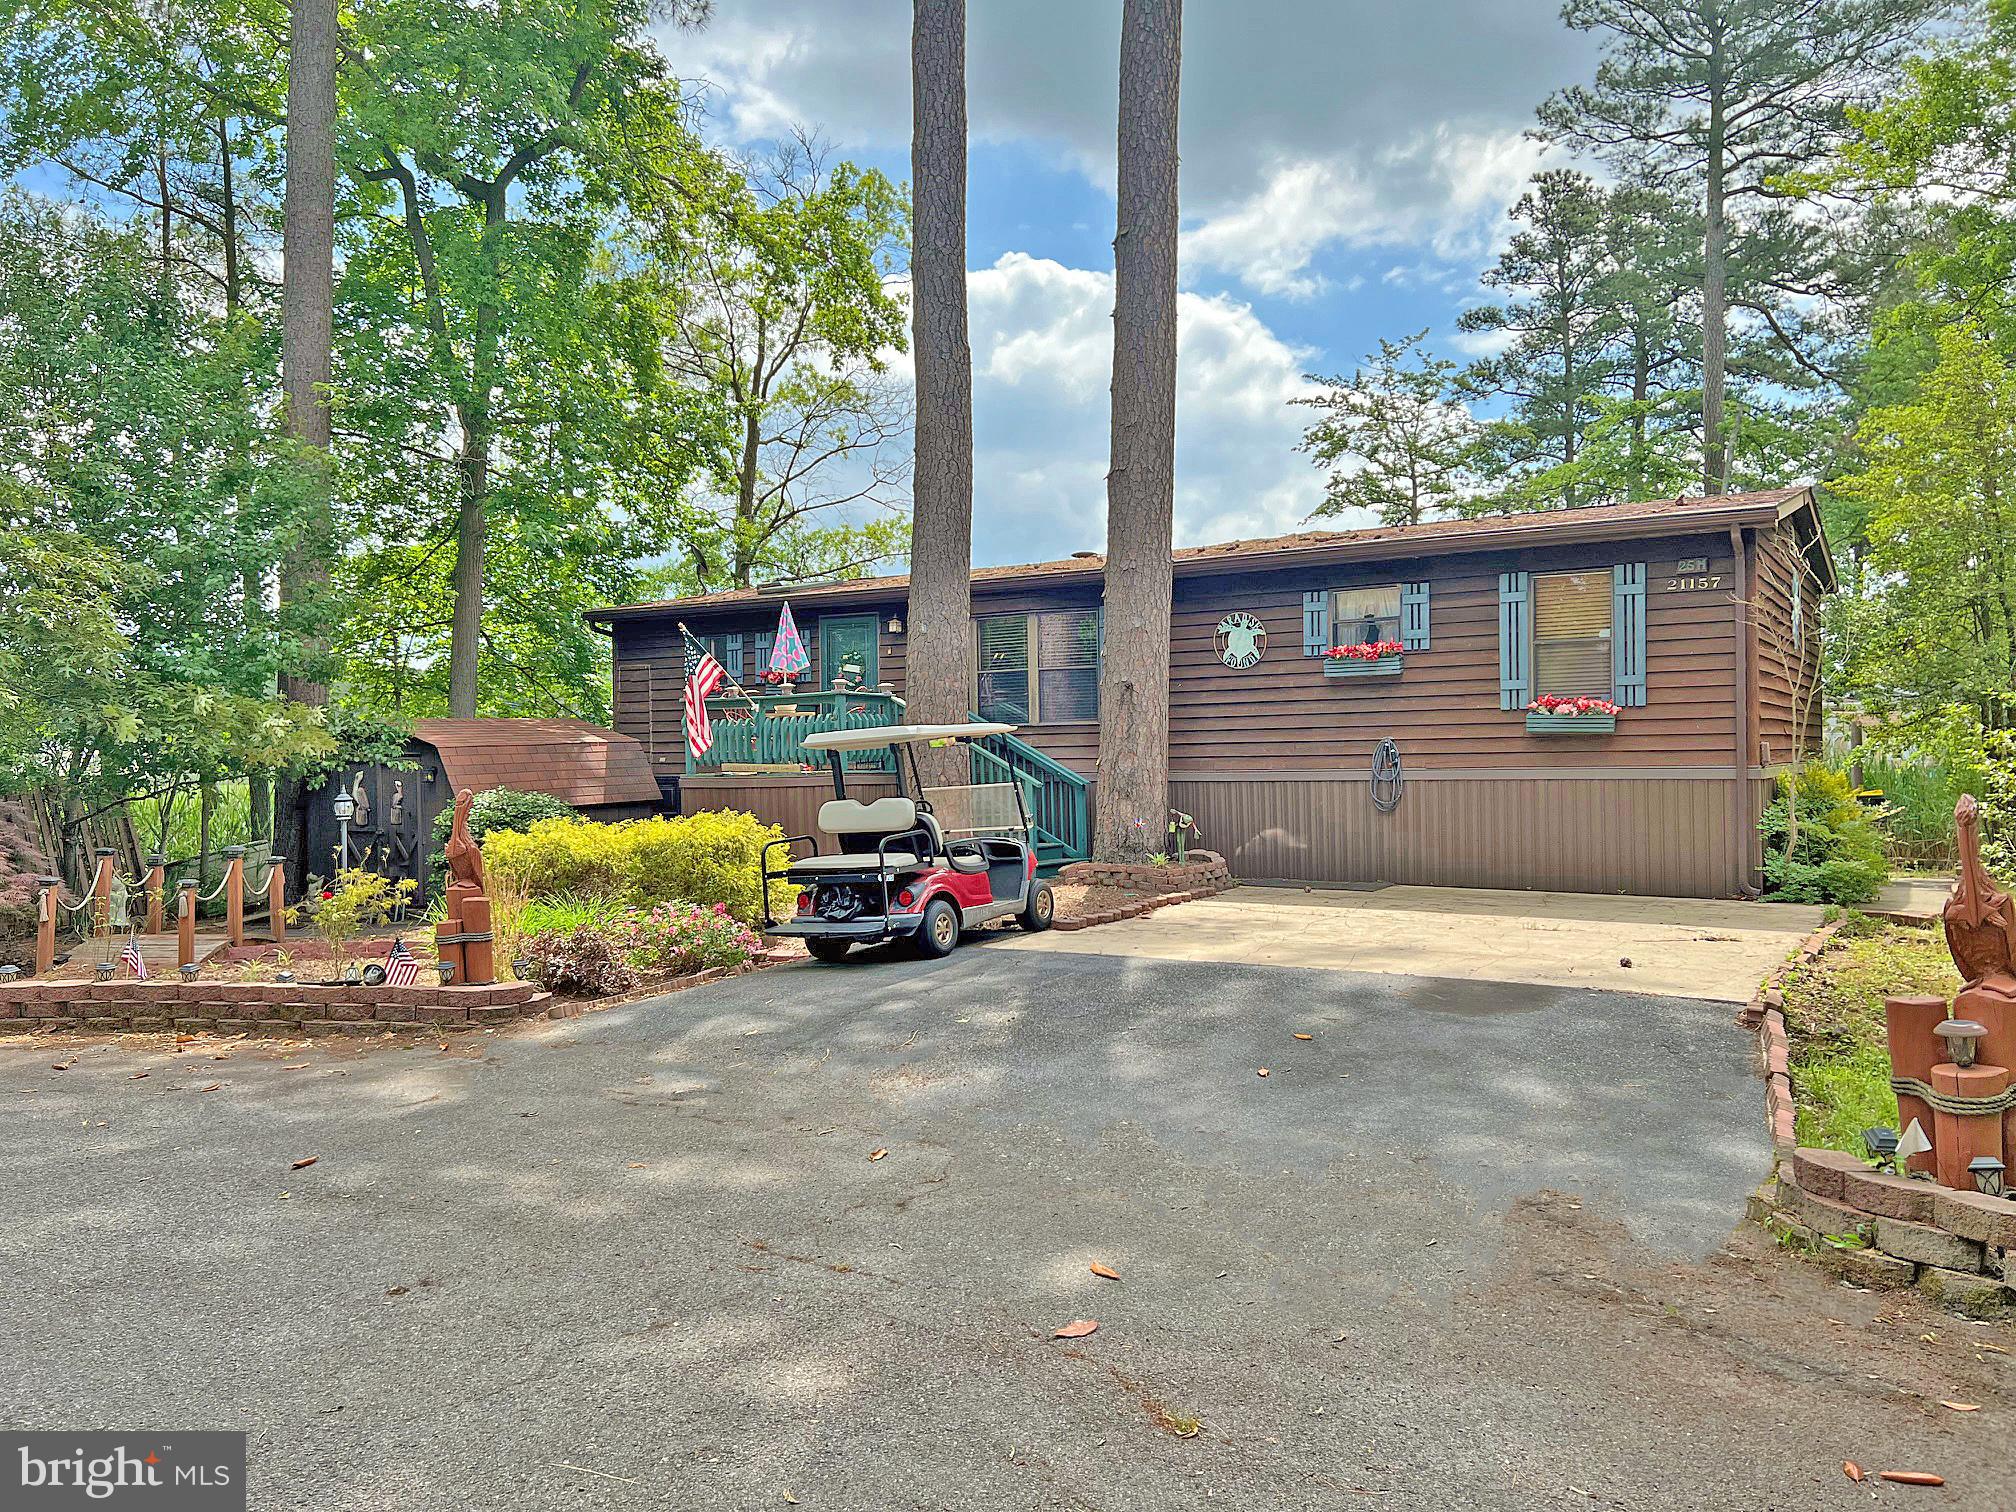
(1364,616)
(1038,668)
(1571,633)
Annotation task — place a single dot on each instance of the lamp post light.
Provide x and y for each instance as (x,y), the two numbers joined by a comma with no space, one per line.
(344,807)
(1962,1039)
(1987,1172)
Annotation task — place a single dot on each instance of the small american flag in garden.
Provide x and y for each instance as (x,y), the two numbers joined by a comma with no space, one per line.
(703,676)
(787,651)
(401,965)
(133,961)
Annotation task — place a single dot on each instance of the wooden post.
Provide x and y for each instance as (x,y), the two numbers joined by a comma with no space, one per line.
(101,893)
(185,922)
(276,896)
(45,924)
(234,894)
(156,866)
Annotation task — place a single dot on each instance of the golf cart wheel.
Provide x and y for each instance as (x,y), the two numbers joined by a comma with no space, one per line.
(827,950)
(940,930)
(1040,912)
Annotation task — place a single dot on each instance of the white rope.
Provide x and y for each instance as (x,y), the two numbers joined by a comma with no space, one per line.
(217,891)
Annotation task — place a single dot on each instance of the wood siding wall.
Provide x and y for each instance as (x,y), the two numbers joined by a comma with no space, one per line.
(1663,836)
(1788,667)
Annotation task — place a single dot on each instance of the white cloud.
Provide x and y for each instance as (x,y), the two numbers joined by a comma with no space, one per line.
(1453,189)
(1042,337)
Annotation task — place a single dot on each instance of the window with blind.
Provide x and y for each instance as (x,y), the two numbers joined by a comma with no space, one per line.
(1037,668)
(1365,616)
(1571,634)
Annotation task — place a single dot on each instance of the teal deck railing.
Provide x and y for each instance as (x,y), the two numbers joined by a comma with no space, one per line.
(769,729)
(1059,813)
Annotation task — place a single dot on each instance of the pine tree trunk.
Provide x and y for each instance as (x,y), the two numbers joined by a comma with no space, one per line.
(1714,292)
(1133,797)
(938,653)
(307,299)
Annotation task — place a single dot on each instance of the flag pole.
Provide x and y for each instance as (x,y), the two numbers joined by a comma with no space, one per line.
(747,697)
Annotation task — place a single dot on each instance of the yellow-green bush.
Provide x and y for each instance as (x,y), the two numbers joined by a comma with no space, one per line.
(703,858)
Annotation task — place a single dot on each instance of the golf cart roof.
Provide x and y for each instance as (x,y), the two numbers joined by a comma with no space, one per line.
(888,735)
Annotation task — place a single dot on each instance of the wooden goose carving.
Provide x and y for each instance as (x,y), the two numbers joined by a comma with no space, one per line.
(465,857)
(1980,918)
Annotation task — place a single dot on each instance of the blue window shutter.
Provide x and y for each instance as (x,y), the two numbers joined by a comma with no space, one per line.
(731,657)
(1515,639)
(1315,622)
(763,642)
(1414,616)
(1627,633)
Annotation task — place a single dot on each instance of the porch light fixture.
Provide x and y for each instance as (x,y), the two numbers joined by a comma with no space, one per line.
(1987,1172)
(1962,1039)
(1880,1145)
(895,624)
(343,806)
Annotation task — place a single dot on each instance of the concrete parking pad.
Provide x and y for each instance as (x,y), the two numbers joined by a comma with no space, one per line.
(1679,947)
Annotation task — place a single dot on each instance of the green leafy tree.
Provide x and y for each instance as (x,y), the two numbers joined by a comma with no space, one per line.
(774,291)
(1714,101)
(1395,437)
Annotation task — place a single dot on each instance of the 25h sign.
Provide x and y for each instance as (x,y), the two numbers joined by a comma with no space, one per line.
(141,1472)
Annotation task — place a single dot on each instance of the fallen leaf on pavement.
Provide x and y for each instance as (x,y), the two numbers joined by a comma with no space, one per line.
(1305,1036)
(1912,1477)
(790,1499)
(1962,1406)
(304,1161)
(63,1065)
(877,1154)
(636,1165)
(1262,1071)
(212,1087)
(185,1039)
(1077,1329)
(397,1291)
(137,1075)
(1852,1470)
(297,1066)
(1105,1270)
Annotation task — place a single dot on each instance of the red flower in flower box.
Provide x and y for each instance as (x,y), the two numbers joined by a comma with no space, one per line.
(1367,651)
(1572,706)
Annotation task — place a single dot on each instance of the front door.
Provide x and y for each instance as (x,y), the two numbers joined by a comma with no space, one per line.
(849,641)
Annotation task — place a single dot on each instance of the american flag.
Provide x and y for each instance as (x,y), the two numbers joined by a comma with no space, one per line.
(133,961)
(402,967)
(703,676)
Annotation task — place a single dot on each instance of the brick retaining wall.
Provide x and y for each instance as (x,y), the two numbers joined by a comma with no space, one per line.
(289,1010)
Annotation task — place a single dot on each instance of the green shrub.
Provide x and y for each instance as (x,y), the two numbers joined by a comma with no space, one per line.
(1836,856)
(587,961)
(704,858)
(567,912)
(684,937)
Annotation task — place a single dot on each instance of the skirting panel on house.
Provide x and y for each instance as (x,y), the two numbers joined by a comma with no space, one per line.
(1671,837)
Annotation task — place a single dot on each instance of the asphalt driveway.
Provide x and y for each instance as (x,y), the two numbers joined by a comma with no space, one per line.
(1468,1245)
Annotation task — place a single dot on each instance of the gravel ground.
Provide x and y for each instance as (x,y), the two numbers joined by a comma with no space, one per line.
(1469,1245)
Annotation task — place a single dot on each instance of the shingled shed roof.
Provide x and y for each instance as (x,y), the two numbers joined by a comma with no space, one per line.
(1589,522)
(577,762)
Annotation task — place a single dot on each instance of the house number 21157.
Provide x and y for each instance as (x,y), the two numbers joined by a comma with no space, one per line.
(1693,581)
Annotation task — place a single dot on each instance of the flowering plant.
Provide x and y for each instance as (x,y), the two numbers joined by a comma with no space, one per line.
(1367,651)
(1561,703)
(680,937)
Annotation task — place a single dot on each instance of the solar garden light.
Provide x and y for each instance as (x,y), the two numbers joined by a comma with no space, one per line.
(188,972)
(7,975)
(104,971)
(283,976)
(1962,1039)
(1987,1173)
(521,968)
(447,971)
(1880,1145)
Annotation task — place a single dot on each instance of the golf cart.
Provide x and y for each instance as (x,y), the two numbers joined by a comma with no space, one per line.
(923,864)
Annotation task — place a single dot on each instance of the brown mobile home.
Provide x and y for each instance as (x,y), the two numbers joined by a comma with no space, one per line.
(1697,617)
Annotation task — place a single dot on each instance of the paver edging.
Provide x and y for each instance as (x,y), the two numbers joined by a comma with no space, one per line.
(1140,906)
(1872,1228)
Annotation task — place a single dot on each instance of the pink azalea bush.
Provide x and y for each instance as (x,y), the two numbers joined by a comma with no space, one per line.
(1368,651)
(1560,703)
(677,938)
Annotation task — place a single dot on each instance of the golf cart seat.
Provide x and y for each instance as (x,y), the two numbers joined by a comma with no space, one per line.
(852,861)
(861,827)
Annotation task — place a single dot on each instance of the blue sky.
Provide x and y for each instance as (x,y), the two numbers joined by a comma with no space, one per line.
(1347,166)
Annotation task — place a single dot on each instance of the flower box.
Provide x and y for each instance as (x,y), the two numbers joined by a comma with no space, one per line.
(1538,723)
(1362,666)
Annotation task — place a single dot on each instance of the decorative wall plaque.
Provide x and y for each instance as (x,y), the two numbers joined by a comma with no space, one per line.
(1241,640)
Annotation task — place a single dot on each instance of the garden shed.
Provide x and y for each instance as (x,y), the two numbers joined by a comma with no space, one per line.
(604,774)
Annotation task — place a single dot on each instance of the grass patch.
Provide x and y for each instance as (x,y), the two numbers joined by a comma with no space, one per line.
(1834,1018)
